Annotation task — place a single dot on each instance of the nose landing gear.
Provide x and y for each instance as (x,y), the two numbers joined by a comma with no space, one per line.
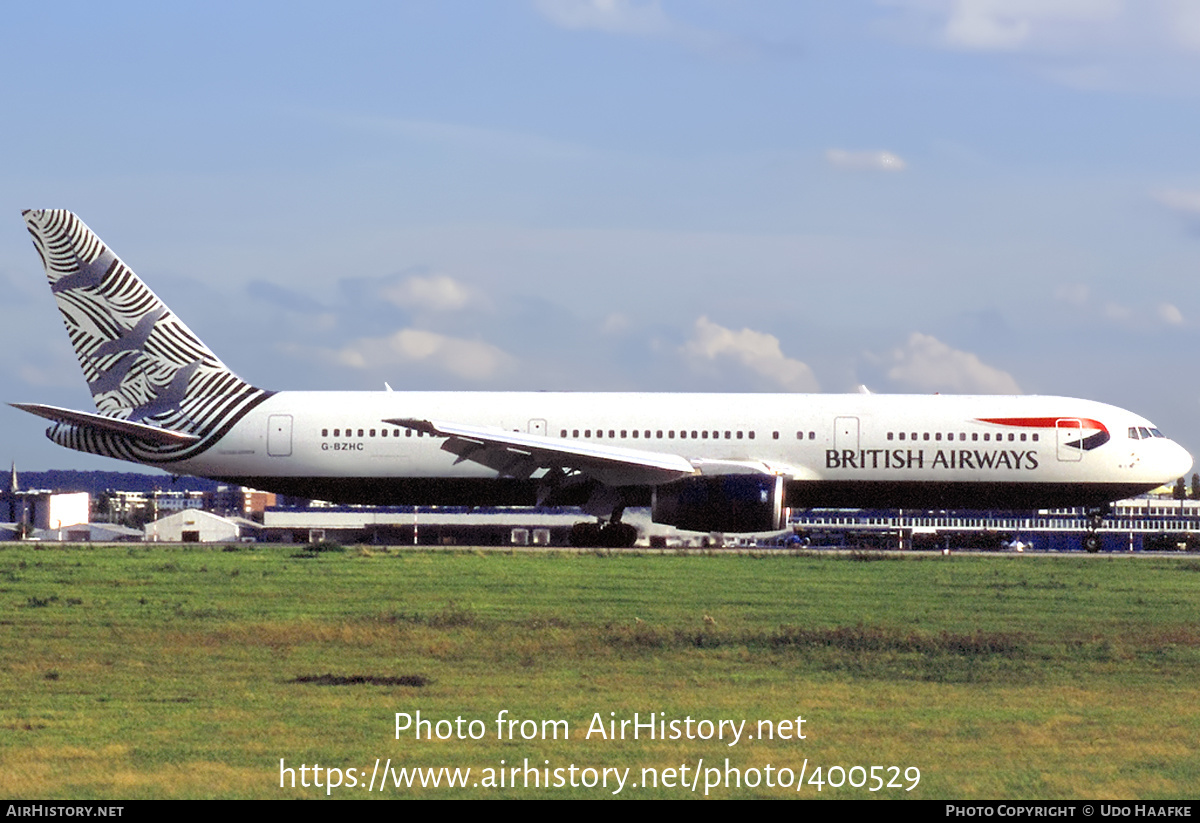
(1095,518)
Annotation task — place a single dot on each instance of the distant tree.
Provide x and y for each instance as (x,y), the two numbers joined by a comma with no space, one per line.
(102,508)
(1196,486)
(1180,489)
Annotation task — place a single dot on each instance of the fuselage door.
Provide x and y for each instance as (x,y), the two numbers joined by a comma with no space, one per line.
(1069,431)
(537,427)
(845,433)
(279,435)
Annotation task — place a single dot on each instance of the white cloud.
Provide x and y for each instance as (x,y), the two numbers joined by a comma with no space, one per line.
(469,359)
(1180,200)
(611,16)
(1076,294)
(1011,25)
(635,18)
(757,351)
(927,364)
(1170,314)
(438,292)
(1184,22)
(615,323)
(1117,312)
(868,160)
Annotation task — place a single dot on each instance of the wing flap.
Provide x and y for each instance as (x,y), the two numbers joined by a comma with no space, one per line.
(520,454)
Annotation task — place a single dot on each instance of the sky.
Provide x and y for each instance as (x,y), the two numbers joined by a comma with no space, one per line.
(957,196)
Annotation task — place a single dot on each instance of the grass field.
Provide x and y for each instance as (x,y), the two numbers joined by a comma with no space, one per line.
(134,672)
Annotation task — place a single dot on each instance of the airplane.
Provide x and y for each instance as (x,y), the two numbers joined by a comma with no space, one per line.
(729,463)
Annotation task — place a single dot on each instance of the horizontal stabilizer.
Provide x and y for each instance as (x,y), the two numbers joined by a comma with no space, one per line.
(142,431)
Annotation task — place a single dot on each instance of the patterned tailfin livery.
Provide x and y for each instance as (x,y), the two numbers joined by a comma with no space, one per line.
(142,364)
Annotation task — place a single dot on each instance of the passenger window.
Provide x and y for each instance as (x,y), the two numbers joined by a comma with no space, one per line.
(704,435)
(372,432)
(974,435)
(574,432)
(324,432)
(926,436)
(938,436)
(408,432)
(360,432)
(611,433)
(775,435)
(890,435)
(635,434)
(623,433)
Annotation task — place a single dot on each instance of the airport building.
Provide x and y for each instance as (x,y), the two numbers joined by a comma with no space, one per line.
(1139,524)
(429,526)
(200,527)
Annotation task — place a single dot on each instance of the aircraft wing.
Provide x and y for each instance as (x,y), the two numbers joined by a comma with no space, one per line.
(142,431)
(517,454)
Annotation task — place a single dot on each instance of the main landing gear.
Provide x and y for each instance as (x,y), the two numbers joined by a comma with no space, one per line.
(603,535)
(611,535)
(1095,517)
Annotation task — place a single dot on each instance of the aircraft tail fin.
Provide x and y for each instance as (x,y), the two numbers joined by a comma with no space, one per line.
(142,364)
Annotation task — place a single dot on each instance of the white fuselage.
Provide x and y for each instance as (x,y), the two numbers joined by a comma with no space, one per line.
(888,442)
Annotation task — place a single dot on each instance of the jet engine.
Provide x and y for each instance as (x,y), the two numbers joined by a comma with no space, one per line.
(721,503)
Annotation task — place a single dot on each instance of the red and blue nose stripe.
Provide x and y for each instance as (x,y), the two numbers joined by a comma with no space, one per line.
(1092,441)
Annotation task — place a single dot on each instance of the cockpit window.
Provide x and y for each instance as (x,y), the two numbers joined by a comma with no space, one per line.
(1144,432)
(1133,433)
(1157,433)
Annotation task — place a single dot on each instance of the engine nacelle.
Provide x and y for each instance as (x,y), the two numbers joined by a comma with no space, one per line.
(721,503)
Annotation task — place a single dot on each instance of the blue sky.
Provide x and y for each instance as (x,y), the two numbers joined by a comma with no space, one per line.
(919,195)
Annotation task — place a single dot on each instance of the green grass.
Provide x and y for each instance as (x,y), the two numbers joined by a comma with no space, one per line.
(189,672)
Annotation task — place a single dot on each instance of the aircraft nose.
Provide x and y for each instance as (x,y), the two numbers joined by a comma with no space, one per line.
(1177,462)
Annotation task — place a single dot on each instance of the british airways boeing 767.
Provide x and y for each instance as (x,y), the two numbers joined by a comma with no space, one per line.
(705,462)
